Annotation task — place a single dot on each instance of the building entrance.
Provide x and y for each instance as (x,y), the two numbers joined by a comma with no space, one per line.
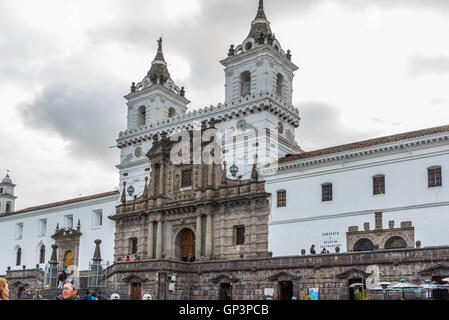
(285,290)
(187,245)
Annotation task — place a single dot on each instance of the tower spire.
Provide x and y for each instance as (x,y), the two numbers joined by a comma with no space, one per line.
(159,54)
(261,11)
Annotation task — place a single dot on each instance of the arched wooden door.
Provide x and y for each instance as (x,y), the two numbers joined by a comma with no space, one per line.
(69,259)
(187,245)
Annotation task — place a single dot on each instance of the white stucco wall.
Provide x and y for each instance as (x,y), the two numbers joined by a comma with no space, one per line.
(31,240)
(407,198)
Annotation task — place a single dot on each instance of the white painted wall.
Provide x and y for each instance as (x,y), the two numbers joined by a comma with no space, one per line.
(407,198)
(31,240)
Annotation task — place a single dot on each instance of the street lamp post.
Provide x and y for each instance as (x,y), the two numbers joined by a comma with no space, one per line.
(298,275)
(230,286)
(384,286)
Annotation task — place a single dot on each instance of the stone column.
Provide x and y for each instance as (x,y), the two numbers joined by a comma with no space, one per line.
(209,236)
(161,179)
(210,176)
(153,180)
(198,238)
(150,241)
(159,240)
(200,176)
(53,272)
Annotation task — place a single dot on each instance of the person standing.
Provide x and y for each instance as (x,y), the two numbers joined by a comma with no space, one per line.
(37,295)
(87,295)
(312,249)
(4,290)
(127,259)
(60,280)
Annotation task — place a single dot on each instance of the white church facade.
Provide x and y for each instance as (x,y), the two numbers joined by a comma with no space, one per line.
(316,197)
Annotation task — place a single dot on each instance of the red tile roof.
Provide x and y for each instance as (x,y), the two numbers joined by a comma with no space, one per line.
(61,203)
(366,143)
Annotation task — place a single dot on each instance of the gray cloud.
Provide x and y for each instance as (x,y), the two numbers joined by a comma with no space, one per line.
(422,65)
(321,127)
(87,112)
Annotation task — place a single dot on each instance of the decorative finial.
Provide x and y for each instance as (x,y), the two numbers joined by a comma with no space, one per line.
(133,87)
(260,11)
(183,92)
(124,193)
(159,44)
(231,51)
(289,55)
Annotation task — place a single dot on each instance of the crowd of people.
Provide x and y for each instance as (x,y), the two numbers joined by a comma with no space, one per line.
(69,292)
(323,251)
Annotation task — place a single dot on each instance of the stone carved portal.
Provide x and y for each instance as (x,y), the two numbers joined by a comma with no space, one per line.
(186,244)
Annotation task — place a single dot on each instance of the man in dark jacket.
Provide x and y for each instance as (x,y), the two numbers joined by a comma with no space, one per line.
(312,249)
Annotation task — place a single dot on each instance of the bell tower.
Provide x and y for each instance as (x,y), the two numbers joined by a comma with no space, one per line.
(259,64)
(156,97)
(7,198)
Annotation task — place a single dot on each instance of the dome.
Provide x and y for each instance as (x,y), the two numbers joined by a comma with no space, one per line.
(7,179)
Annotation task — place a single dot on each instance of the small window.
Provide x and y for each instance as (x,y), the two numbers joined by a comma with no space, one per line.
(282,198)
(42,254)
(186,178)
(97,218)
(171,112)
(239,235)
(326,192)
(245,82)
(434,177)
(19,257)
(68,221)
(279,84)
(133,245)
(141,116)
(379,184)
(248,46)
(42,227)
(8,207)
(19,231)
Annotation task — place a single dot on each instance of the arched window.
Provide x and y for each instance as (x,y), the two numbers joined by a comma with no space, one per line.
(8,207)
(141,116)
(395,243)
(364,245)
(42,254)
(171,112)
(279,84)
(245,83)
(18,256)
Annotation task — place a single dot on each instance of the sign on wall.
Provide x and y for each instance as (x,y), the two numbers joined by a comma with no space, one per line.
(331,240)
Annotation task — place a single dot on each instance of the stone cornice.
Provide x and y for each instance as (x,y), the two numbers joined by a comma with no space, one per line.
(258,50)
(348,259)
(221,112)
(361,153)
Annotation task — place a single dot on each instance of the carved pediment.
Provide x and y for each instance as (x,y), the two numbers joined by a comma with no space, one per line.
(282,276)
(223,278)
(66,233)
(353,273)
(133,278)
(436,270)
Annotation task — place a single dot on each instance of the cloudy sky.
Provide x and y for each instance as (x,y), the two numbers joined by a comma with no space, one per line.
(368,68)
